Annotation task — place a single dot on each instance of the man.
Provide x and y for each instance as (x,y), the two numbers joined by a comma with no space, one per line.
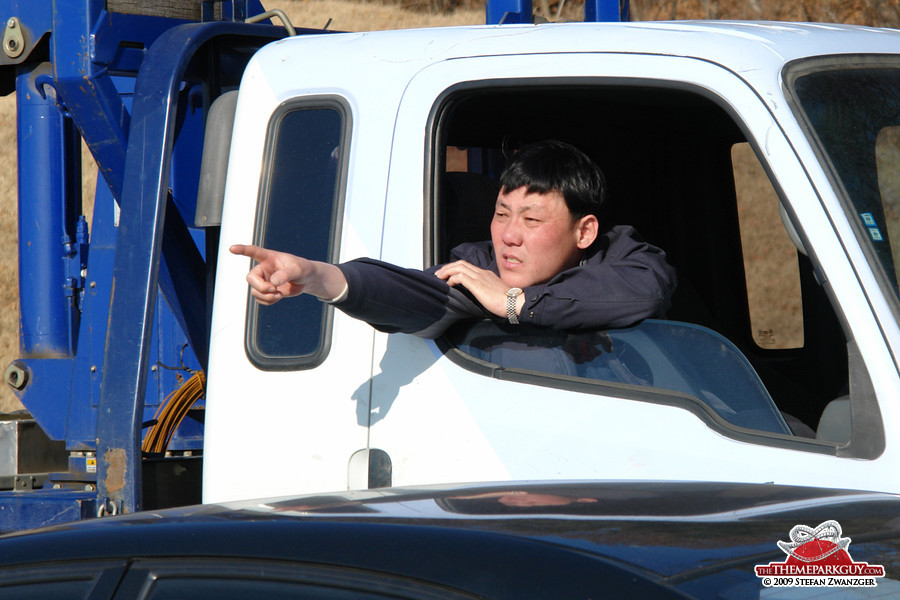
(547,263)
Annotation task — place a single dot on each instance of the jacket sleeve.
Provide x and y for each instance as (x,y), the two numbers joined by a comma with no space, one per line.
(624,281)
(398,300)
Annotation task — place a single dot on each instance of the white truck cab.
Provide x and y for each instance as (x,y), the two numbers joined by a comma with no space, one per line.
(763,158)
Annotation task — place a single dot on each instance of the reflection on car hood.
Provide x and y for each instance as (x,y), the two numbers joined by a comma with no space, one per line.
(673,530)
(686,524)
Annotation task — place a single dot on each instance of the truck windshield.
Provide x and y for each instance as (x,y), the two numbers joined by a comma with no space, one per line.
(854,114)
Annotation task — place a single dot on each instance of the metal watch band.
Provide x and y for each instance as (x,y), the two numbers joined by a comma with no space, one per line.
(511,295)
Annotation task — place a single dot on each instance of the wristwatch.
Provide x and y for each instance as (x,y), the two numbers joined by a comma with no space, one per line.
(511,295)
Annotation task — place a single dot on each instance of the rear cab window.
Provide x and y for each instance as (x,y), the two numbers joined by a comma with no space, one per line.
(301,199)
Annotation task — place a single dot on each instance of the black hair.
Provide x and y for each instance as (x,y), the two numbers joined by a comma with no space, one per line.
(554,166)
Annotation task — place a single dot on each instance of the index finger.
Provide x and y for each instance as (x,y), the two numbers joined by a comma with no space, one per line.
(250,251)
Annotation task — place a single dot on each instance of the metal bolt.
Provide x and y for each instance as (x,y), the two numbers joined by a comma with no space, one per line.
(16,376)
(13,40)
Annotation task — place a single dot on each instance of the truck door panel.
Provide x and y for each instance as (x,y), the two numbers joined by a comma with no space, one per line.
(274,372)
(663,131)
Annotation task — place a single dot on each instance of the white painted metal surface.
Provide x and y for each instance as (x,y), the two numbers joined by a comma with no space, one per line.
(288,432)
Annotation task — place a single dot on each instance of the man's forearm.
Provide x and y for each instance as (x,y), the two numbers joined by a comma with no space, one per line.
(391,298)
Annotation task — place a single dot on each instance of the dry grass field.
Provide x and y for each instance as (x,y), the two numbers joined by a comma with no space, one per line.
(371,15)
(9,296)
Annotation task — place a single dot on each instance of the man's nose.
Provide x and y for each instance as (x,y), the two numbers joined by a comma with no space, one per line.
(512,233)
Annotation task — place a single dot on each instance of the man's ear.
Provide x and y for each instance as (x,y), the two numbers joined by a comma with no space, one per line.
(587,228)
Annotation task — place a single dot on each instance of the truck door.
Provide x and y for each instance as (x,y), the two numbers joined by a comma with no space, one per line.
(683,142)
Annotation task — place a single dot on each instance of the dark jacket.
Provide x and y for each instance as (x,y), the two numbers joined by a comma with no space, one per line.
(620,282)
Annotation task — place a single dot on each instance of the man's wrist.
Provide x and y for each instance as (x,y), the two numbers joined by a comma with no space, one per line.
(327,283)
(512,305)
(340,297)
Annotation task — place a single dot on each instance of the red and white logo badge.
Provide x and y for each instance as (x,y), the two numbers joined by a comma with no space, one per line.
(818,557)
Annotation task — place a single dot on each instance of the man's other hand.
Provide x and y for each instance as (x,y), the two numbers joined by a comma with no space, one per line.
(485,285)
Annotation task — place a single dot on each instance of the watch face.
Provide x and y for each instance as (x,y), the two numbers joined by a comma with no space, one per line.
(513,292)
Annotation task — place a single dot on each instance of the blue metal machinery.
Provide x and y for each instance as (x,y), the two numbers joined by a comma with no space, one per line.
(520,11)
(100,347)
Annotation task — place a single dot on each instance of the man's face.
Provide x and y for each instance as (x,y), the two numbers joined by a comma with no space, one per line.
(535,238)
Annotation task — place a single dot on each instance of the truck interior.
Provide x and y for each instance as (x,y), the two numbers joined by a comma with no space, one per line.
(682,171)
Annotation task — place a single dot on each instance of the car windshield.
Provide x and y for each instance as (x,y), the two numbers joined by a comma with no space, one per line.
(854,115)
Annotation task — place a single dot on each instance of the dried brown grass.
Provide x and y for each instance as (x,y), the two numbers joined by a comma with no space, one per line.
(883,13)
(9,292)
(349,15)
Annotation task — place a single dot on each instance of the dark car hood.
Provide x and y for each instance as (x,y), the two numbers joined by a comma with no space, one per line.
(667,530)
(686,524)
(670,529)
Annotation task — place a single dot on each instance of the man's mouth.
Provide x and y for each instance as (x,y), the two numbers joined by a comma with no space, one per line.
(511,259)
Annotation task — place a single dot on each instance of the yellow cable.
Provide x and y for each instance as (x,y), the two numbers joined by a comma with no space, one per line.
(172,411)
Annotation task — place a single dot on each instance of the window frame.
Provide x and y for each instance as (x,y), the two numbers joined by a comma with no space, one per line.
(102,576)
(436,142)
(139,582)
(338,104)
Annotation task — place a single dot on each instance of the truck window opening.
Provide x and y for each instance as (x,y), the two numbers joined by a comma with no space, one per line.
(680,170)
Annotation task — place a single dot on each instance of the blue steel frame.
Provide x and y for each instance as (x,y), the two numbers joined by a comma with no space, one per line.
(135,89)
(502,12)
(146,213)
